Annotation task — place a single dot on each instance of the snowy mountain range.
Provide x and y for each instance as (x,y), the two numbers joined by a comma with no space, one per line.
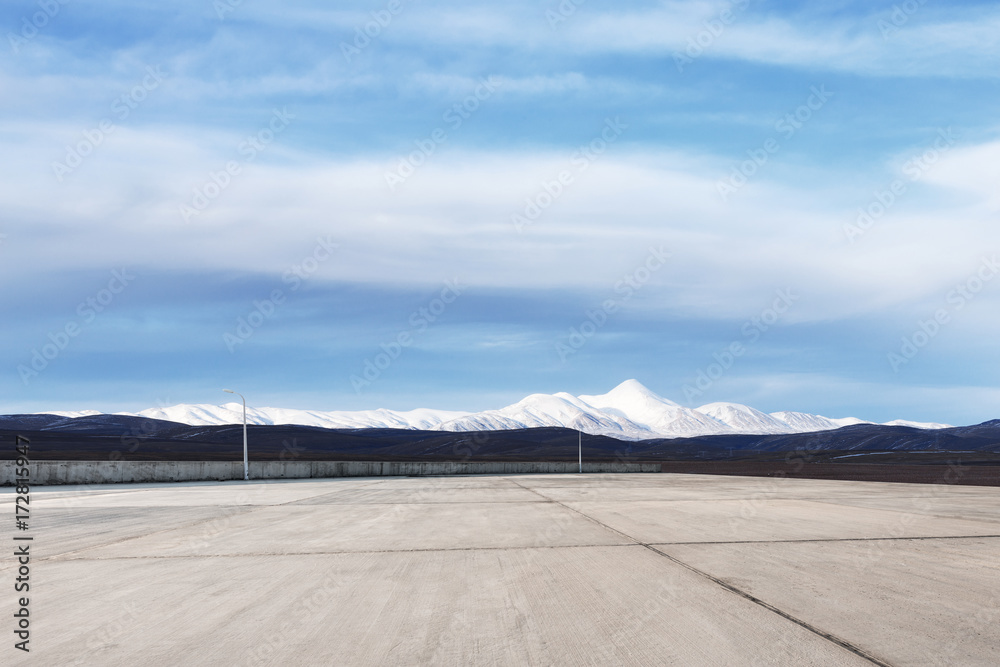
(630,411)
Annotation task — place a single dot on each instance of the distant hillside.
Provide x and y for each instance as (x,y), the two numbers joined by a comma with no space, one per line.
(104,437)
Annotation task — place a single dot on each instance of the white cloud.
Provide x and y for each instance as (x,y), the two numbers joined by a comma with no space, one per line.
(973,170)
(454,217)
(959,43)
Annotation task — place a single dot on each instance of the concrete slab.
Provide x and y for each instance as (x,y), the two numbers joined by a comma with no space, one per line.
(980,508)
(723,487)
(195,494)
(511,570)
(370,527)
(769,519)
(517,607)
(69,530)
(911,602)
(449,482)
(422,495)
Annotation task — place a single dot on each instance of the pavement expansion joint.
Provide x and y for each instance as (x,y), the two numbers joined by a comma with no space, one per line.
(255,554)
(831,539)
(433,502)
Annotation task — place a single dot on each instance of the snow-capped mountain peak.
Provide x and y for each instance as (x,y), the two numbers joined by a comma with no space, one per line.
(630,398)
(744,419)
(630,411)
(559,410)
(630,395)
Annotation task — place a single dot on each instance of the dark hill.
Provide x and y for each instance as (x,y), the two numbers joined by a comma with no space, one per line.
(103,437)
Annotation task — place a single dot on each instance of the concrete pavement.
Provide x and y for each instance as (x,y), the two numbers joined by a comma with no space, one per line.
(594,569)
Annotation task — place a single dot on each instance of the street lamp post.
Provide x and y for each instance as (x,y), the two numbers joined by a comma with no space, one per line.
(246,465)
(580,450)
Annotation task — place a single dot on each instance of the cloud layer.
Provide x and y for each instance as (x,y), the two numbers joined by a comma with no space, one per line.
(274,165)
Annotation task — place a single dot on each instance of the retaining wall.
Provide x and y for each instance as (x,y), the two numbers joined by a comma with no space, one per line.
(118,472)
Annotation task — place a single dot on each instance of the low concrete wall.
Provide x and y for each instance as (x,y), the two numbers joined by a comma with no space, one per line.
(121,472)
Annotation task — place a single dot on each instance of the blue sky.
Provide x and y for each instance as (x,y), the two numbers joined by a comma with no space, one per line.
(475,202)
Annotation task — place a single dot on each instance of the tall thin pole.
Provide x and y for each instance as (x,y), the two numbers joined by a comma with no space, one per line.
(246,464)
(580,449)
